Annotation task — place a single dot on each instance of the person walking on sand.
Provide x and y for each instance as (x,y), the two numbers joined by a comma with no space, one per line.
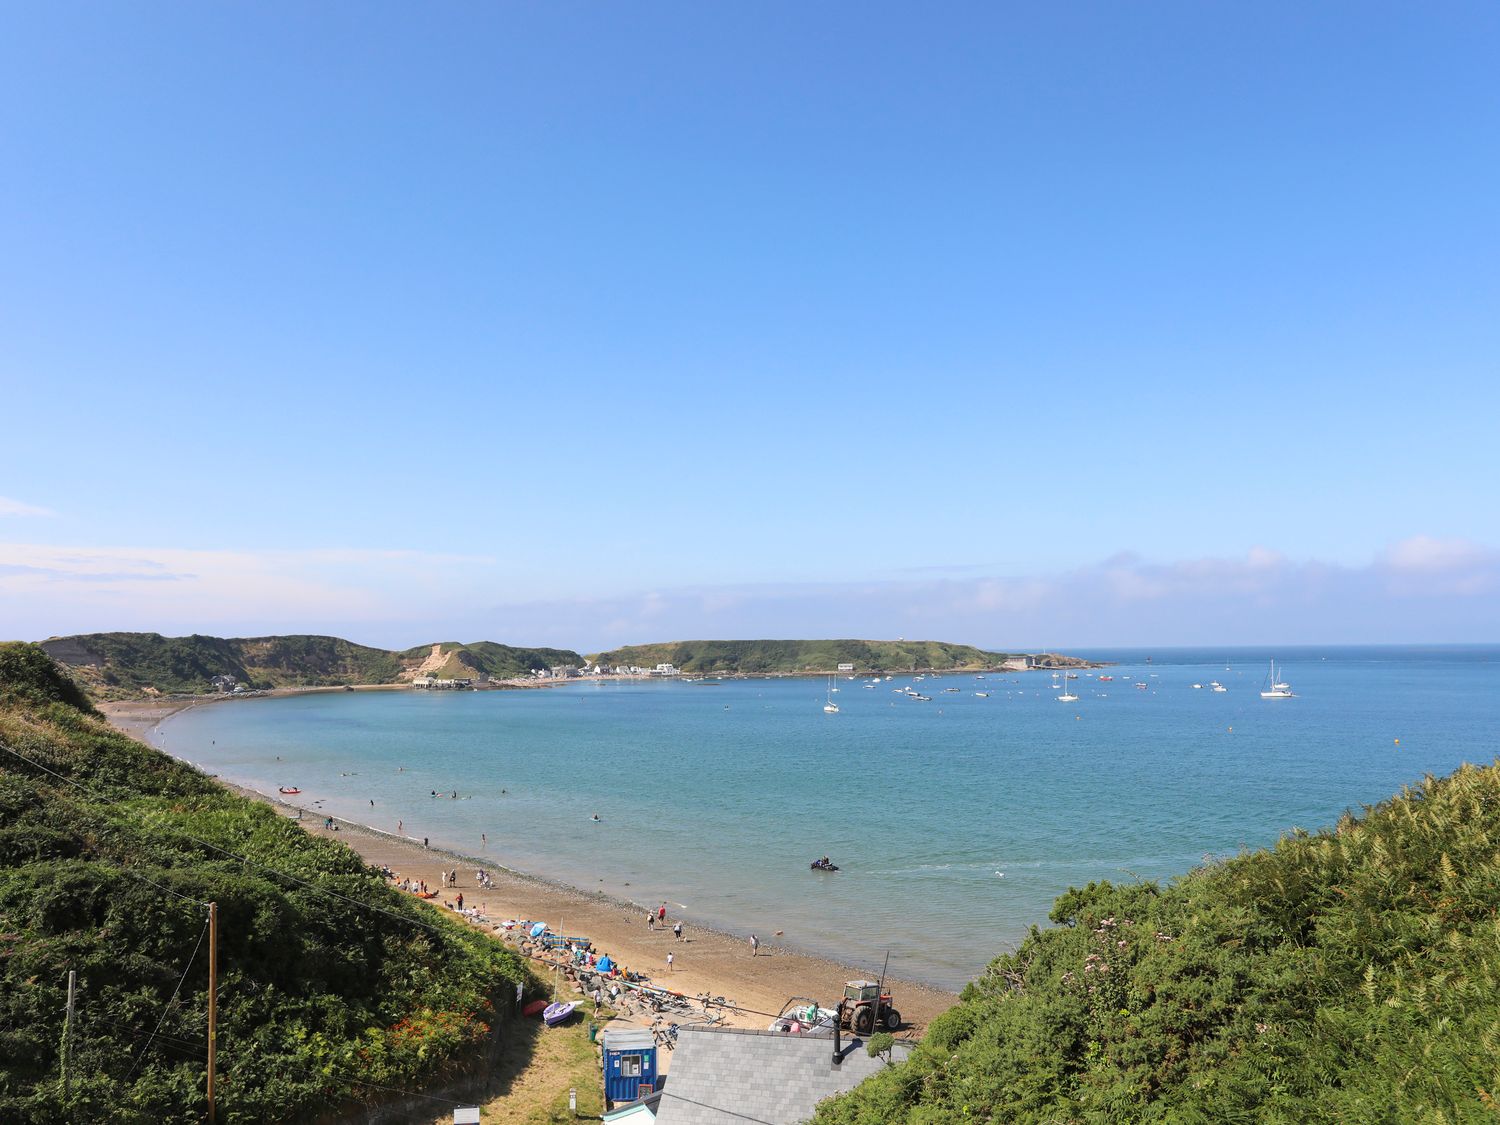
(754,945)
(661,913)
(669,962)
(677,931)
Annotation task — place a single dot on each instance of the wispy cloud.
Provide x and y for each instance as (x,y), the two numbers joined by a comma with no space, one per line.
(1418,589)
(48,589)
(9,507)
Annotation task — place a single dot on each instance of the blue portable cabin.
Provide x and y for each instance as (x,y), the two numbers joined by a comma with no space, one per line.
(629,1063)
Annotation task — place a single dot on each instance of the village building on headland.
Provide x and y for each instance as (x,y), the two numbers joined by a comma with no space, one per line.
(431,683)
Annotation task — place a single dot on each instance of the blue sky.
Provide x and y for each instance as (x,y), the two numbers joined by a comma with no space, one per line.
(582,324)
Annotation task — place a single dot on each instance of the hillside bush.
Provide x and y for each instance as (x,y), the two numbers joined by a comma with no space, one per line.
(1351,975)
(332,984)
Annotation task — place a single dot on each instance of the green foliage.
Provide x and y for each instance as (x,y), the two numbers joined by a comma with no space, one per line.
(880,1043)
(1352,976)
(328,976)
(115,665)
(29,677)
(773,657)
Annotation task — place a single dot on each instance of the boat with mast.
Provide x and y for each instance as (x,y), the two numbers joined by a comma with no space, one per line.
(1276,689)
(831,707)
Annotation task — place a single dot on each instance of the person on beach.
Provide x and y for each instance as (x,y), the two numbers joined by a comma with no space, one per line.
(661,913)
(424,841)
(754,945)
(650,920)
(484,841)
(399,825)
(677,931)
(669,962)
(460,900)
(443,879)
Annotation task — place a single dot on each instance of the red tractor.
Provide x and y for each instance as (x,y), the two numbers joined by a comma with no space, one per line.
(865,1007)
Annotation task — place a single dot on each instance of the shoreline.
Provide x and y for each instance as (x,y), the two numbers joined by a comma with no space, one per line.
(706,960)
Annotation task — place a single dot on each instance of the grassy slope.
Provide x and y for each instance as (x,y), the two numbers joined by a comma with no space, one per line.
(128,664)
(316,992)
(1352,975)
(802,656)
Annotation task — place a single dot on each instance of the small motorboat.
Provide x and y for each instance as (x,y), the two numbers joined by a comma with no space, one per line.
(554,1014)
(823,865)
(290,790)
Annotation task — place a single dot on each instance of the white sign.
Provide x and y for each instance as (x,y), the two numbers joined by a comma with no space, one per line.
(467,1116)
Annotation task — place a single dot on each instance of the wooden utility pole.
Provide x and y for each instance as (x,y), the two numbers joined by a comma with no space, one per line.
(213,999)
(67,1044)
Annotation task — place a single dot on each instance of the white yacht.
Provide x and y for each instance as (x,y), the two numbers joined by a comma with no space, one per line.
(1277,689)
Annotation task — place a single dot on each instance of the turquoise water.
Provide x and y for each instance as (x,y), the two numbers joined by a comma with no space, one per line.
(956,821)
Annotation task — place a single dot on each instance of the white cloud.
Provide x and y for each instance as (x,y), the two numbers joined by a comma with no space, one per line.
(1263,596)
(67,589)
(1422,554)
(1420,589)
(9,507)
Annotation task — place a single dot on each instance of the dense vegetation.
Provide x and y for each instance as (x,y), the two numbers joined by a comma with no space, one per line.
(1352,976)
(761,657)
(116,665)
(328,984)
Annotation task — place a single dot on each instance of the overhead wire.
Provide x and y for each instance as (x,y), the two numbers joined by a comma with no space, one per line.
(170,1003)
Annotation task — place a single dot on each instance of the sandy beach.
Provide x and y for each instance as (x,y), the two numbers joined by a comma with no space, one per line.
(704,961)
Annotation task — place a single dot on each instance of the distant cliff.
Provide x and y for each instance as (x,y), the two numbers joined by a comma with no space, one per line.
(116,665)
(789,657)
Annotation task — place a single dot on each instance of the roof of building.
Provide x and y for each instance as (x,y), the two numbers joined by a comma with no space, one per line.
(731,1076)
(627,1038)
(643,1109)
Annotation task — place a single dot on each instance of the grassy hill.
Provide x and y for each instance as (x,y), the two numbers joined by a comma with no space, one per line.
(331,983)
(1347,976)
(115,665)
(802,656)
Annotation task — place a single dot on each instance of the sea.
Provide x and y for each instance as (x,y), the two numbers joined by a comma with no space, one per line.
(955,822)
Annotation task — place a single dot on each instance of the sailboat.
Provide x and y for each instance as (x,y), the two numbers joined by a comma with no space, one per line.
(1278,689)
(1067,695)
(831,707)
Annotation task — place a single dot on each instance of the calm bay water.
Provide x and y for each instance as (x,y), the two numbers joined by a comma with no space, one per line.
(956,821)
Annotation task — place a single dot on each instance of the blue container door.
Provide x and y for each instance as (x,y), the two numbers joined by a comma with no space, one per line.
(624,1071)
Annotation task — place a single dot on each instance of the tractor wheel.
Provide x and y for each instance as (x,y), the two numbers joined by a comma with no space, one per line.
(863,1021)
(892,1019)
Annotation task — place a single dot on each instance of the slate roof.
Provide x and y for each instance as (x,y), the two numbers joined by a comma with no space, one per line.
(733,1076)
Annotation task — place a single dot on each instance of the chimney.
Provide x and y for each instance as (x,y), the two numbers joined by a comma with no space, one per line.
(838,1046)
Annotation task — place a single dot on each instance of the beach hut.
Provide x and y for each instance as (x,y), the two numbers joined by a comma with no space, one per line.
(629,1063)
